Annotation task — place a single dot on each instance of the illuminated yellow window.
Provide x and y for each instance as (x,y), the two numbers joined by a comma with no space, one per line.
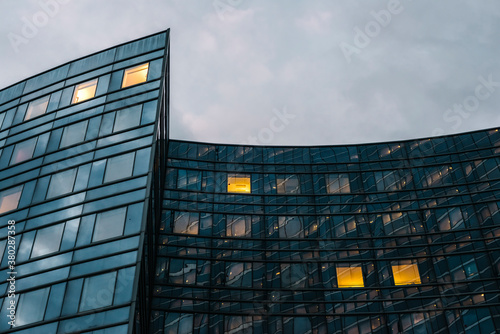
(238,183)
(135,75)
(350,277)
(84,91)
(405,273)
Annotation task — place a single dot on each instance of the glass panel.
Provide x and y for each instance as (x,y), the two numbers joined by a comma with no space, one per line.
(127,118)
(31,307)
(237,183)
(109,224)
(98,291)
(350,277)
(74,134)
(337,183)
(9,199)
(37,107)
(186,222)
(405,272)
(288,184)
(135,75)
(119,167)
(84,91)
(290,227)
(61,183)
(238,226)
(47,240)
(23,151)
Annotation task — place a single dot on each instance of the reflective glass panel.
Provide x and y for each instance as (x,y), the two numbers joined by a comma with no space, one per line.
(9,199)
(109,224)
(98,291)
(31,307)
(23,151)
(37,107)
(47,240)
(337,183)
(74,133)
(61,183)
(186,222)
(119,167)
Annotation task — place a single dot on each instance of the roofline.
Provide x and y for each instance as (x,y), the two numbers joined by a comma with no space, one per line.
(167,31)
(338,145)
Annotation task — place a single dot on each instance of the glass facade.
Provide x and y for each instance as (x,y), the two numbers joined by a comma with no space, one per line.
(77,150)
(119,229)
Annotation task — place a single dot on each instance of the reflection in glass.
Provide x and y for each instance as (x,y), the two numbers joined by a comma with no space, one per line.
(37,107)
(74,134)
(31,307)
(98,291)
(61,183)
(23,151)
(109,224)
(9,199)
(186,222)
(47,240)
(119,167)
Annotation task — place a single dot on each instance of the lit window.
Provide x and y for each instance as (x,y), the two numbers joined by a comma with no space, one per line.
(405,272)
(119,167)
(85,91)
(238,226)
(186,222)
(135,75)
(350,277)
(47,240)
(23,151)
(238,183)
(288,184)
(37,108)
(337,183)
(9,199)
(109,224)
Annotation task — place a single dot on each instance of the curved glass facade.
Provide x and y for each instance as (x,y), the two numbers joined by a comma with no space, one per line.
(107,226)
(398,237)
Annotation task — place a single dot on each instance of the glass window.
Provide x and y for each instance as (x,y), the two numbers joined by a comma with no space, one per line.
(47,240)
(188,179)
(85,91)
(135,75)
(238,183)
(239,274)
(186,222)
(290,227)
(119,167)
(109,224)
(37,107)
(31,307)
(337,183)
(288,184)
(61,183)
(127,118)
(405,272)
(238,226)
(293,275)
(350,276)
(23,151)
(9,199)
(74,133)
(98,291)
(182,271)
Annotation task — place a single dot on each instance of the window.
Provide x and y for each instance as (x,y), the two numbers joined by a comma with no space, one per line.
(31,307)
(288,184)
(135,75)
(337,183)
(37,108)
(290,227)
(182,271)
(188,179)
(61,183)
(238,183)
(239,274)
(47,240)
(84,91)
(73,134)
(9,199)
(127,118)
(119,167)
(350,276)
(405,272)
(98,291)
(186,222)
(23,151)
(238,226)
(294,275)
(109,224)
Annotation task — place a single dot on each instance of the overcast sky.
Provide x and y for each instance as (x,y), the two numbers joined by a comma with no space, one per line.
(288,72)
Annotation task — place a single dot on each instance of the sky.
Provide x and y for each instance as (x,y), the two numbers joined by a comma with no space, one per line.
(303,72)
